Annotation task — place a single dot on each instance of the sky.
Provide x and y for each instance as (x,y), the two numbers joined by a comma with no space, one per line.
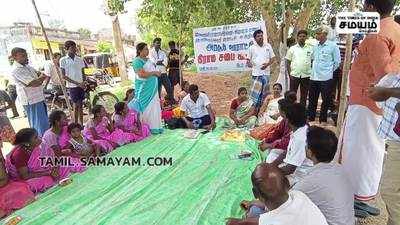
(75,13)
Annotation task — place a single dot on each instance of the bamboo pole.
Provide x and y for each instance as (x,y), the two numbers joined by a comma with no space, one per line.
(345,76)
(119,48)
(61,79)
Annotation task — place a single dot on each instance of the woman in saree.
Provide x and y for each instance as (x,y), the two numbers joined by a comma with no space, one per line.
(52,138)
(146,101)
(241,114)
(13,194)
(23,163)
(269,112)
(101,131)
(264,130)
(128,120)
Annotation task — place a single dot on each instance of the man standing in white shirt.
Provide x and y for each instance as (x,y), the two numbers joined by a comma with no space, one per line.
(283,207)
(50,69)
(332,34)
(260,58)
(29,85)
(72,69)
(197,108)
(160,59)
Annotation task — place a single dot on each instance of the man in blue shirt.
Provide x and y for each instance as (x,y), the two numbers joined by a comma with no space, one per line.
(326,59)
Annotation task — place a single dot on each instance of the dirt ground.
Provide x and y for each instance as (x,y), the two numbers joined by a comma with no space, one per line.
(222,89)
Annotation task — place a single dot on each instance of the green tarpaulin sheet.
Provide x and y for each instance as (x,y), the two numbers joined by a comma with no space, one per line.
(204,185)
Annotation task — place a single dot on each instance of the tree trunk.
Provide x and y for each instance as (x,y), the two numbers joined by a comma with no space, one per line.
(273,29)
(119,49)
(305,16)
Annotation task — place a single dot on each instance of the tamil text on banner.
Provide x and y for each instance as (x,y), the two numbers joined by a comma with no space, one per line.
(224,48)
(357,23)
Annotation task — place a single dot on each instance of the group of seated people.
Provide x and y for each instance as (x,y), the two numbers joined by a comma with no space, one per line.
(22,173)
(261,122)
(298,183)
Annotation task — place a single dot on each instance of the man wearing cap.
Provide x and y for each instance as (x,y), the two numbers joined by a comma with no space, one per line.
(362,149)
(326,59)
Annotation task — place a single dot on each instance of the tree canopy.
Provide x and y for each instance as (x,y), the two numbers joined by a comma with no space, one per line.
(176,19)
(105,47)
(85,33)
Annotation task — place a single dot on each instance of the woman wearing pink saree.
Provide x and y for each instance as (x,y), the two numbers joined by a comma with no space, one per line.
(23,163)
(102,132)
(51,146)
(13,194)
(128,120)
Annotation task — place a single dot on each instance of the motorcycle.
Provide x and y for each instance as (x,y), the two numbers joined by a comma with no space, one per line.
(56,100)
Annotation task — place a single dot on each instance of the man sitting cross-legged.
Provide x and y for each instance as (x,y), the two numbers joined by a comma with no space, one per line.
(197,108)
(327,184)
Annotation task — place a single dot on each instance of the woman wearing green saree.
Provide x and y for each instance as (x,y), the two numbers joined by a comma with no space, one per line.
(241,114)
(146,101)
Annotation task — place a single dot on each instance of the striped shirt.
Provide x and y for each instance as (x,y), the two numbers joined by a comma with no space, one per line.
(390,114)
(342,48)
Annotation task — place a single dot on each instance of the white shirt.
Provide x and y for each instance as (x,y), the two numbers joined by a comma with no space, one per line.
(259,55)
(73,69)
(51,71)
(196,109)
(296,153)
(23,75)
(333,35)
(297,210)
(155,56)
(329,188)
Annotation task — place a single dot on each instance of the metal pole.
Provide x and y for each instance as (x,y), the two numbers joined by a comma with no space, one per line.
(60,77)
(345,77)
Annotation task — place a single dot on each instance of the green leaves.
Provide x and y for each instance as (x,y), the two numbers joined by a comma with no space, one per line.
(116,6)
(85,33)
(105,46)
(176,19)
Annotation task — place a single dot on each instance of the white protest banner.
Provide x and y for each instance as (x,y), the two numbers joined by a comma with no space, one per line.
(357,22)
(224,48)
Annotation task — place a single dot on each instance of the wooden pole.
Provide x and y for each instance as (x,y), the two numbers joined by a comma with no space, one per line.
(60,77)
(119,48)
(345,76)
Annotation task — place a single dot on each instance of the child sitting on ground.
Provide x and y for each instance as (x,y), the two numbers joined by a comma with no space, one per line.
(81,146)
